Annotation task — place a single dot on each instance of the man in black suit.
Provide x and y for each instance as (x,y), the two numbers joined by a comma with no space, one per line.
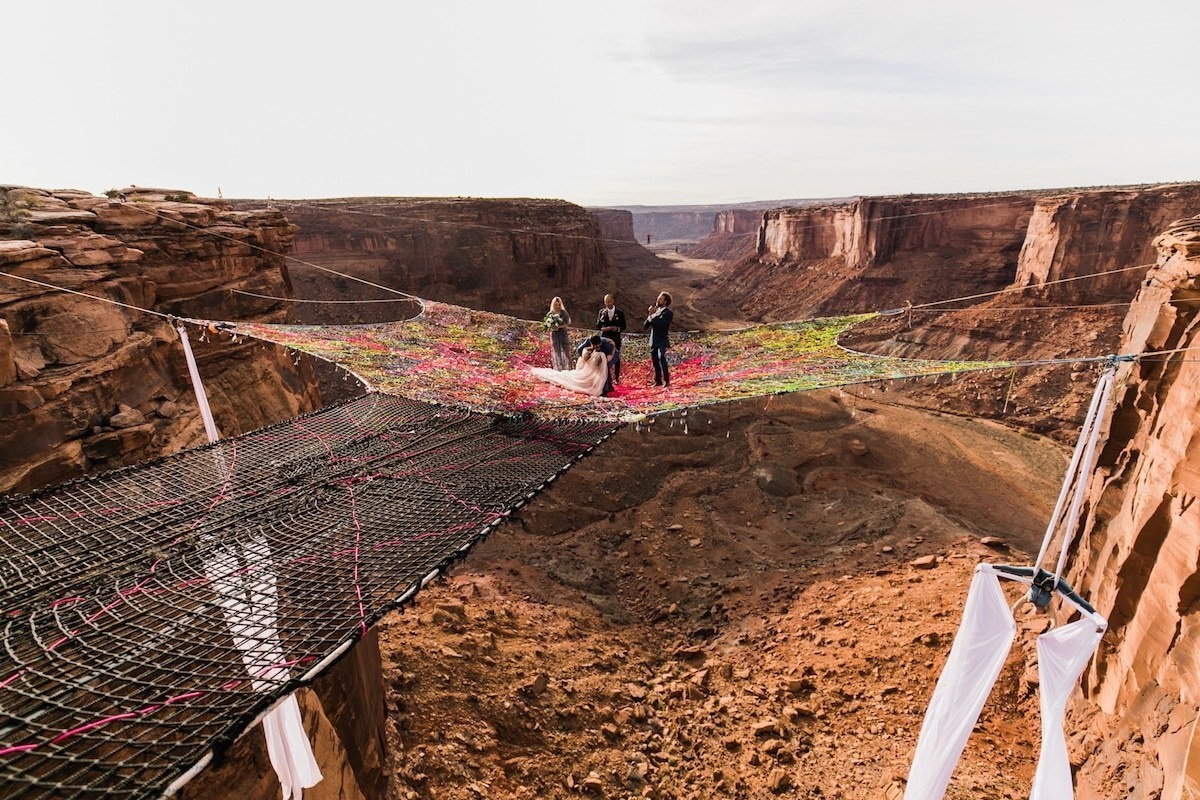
(610,322)
(658,320)
(598,342)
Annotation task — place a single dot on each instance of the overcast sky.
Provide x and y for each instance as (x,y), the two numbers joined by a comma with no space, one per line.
(600,103)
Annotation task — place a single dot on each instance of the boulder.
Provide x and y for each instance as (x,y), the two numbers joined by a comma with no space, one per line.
(113,444)
(126,417)
(776,479)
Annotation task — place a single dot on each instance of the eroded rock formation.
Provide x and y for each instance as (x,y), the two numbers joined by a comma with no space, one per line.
(615,224)
(735,236)
(1100,231)
(87,385)
(1138,558)
(878,252)
(509,256)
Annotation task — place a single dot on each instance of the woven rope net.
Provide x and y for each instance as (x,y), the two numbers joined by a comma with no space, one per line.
(475,359)
(152,614)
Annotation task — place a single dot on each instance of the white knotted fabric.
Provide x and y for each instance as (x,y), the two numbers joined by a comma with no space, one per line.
(1062,655)
(976,658)
(210,427)
(249,600)
(248,597)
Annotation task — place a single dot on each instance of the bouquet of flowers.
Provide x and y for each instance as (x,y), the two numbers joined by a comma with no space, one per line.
(552,321)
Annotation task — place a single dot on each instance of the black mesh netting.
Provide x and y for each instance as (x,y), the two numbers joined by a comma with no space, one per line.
(152,614)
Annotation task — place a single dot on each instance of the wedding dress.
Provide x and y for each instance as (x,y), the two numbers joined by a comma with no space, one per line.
(589,376)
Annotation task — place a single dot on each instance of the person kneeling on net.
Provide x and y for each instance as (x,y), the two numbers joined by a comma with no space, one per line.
(605,346)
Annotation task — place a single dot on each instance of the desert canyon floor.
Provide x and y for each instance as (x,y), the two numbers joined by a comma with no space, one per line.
(750,601)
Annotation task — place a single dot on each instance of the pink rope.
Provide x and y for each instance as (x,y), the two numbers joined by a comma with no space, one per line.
(362,612)
(145,711)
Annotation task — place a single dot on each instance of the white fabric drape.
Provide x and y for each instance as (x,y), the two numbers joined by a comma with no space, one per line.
(289,750)
(588,377)
(210,427)
(243,578)
(250,603)
(1062,655)
(980,648)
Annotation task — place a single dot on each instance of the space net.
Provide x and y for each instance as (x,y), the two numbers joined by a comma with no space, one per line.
(481,360)
(151,614)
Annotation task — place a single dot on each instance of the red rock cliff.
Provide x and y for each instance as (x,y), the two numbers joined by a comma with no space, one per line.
(735,235)
(87,385)
(1138,559)
(878,252)
(1099,231)
(615,224)
(509,256)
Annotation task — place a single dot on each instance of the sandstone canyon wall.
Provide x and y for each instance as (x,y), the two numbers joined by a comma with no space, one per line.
(734,236)
(616,225)
(509,256)
(875,253)
(666,226)
(1137,732)
(1099,232)
(87,385)
(878,252)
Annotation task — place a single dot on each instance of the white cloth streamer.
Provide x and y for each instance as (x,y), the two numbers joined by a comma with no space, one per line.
(289,750)
(210,427)
(249,600)
(1062,655)
(976,658)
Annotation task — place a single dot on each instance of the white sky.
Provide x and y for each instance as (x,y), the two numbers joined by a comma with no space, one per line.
(600,103)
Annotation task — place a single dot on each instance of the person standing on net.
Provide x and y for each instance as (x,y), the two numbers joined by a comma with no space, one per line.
(556,321)
(610,323)
(658,320)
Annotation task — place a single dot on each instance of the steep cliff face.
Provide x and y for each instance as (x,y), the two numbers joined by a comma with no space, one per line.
(1095,232)
(87,385)
(503,255)
(1138,558)
(615,224)
(664,226)
(877,253)
(734,236)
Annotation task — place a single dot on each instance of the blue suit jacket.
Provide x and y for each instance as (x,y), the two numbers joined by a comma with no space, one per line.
(658,329)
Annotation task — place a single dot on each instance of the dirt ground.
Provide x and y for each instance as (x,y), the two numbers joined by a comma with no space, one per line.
(683,278)
(748,601)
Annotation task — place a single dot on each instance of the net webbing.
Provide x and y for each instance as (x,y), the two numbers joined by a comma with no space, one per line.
(151,614)
(480,360)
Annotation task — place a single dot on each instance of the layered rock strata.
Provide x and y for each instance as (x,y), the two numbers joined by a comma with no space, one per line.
(878,252)
(1136,732)
(1098,232)
(735,235)
(615,224)
(509,256)
(87,385)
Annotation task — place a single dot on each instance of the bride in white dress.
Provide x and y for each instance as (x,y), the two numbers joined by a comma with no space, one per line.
(589,376)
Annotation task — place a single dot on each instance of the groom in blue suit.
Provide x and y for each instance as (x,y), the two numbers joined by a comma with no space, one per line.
(658,320)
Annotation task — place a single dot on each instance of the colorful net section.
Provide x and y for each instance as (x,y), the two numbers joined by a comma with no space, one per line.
(150,615)
(479,360)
